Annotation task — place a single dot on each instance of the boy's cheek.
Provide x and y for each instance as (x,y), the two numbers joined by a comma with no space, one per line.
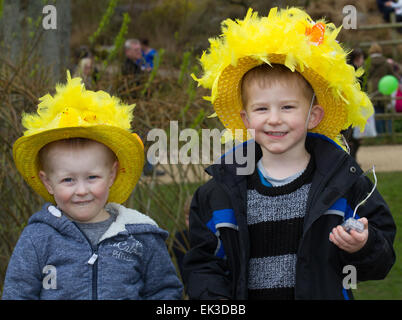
(62,195)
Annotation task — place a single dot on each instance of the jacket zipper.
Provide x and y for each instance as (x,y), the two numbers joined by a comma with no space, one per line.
(94,273)
(93,261)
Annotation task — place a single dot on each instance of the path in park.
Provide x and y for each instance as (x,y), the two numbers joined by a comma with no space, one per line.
(385,158)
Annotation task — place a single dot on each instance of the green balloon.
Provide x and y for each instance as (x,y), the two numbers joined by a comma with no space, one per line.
(388,84)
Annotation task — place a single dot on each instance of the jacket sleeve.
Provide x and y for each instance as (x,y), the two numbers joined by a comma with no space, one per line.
(23,279)
(375,259)
(206,273)
(160,276)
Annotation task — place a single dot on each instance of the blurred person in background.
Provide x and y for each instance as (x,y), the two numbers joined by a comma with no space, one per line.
(385,8)
(86,71)
(356,59)
(148,55)
(133,54)
(378,68)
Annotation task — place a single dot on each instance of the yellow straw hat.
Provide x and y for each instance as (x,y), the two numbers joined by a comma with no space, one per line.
(75,112)
(289,37)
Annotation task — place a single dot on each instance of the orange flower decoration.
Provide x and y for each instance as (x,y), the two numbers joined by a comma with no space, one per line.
(316,33)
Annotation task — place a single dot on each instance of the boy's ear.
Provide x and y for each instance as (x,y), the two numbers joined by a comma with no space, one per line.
(113,173)
(45,180)
(244,117)
(316,115)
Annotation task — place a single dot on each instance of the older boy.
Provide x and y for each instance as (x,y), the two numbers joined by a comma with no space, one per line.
(80,156)
(276,233)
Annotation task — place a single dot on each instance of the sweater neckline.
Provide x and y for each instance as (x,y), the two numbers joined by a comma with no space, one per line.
(254,182)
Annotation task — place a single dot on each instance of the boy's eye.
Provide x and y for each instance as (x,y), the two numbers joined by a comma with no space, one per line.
(67,180)
(288,107)
(92,177)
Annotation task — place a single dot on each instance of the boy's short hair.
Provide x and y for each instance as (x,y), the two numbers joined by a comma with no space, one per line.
(265,75)
(73,143)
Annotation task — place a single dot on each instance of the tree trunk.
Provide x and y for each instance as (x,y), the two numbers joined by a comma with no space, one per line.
(25,38)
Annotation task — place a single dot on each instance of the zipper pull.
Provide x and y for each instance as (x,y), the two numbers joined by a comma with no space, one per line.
(93,259)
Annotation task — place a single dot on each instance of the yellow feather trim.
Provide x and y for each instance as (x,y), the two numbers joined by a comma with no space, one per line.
(74,106)
(288,32)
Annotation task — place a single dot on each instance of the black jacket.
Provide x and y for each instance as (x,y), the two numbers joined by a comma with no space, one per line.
(216,265)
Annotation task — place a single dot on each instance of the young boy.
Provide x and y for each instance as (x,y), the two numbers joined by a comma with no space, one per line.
(277,233)
(79,154)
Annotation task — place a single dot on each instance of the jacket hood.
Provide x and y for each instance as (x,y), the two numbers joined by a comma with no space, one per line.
(128,221)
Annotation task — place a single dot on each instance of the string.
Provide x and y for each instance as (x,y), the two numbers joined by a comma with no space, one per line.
(368,196)
(309,111)
(346,143)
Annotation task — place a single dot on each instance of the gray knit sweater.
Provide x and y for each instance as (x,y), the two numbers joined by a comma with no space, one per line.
(275,217)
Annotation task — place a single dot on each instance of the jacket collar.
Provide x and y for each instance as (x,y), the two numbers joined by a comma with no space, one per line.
(236,164)
(332,161)
(125,219)
(325,151)
(128,221)
(335,174)
(328,156)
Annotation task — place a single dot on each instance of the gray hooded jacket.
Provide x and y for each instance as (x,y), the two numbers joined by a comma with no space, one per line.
(54,260)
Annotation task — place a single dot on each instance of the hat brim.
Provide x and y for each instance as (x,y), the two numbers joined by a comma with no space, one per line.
(127,147)
(228,102)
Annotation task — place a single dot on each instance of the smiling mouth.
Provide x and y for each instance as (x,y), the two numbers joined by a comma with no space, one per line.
(82,203)
(276,133)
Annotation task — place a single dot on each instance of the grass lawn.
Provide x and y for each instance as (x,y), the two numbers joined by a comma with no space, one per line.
(390,187)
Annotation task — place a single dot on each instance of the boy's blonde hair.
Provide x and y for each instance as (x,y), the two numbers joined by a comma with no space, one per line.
(74,144)
(264,76)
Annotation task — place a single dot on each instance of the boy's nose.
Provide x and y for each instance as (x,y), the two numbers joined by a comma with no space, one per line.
(274,118)
(81,189)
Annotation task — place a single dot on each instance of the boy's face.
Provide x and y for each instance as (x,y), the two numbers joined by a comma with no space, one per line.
(278,113)
(79,179)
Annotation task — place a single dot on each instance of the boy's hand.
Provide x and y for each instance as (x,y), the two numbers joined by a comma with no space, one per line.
(350,242)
